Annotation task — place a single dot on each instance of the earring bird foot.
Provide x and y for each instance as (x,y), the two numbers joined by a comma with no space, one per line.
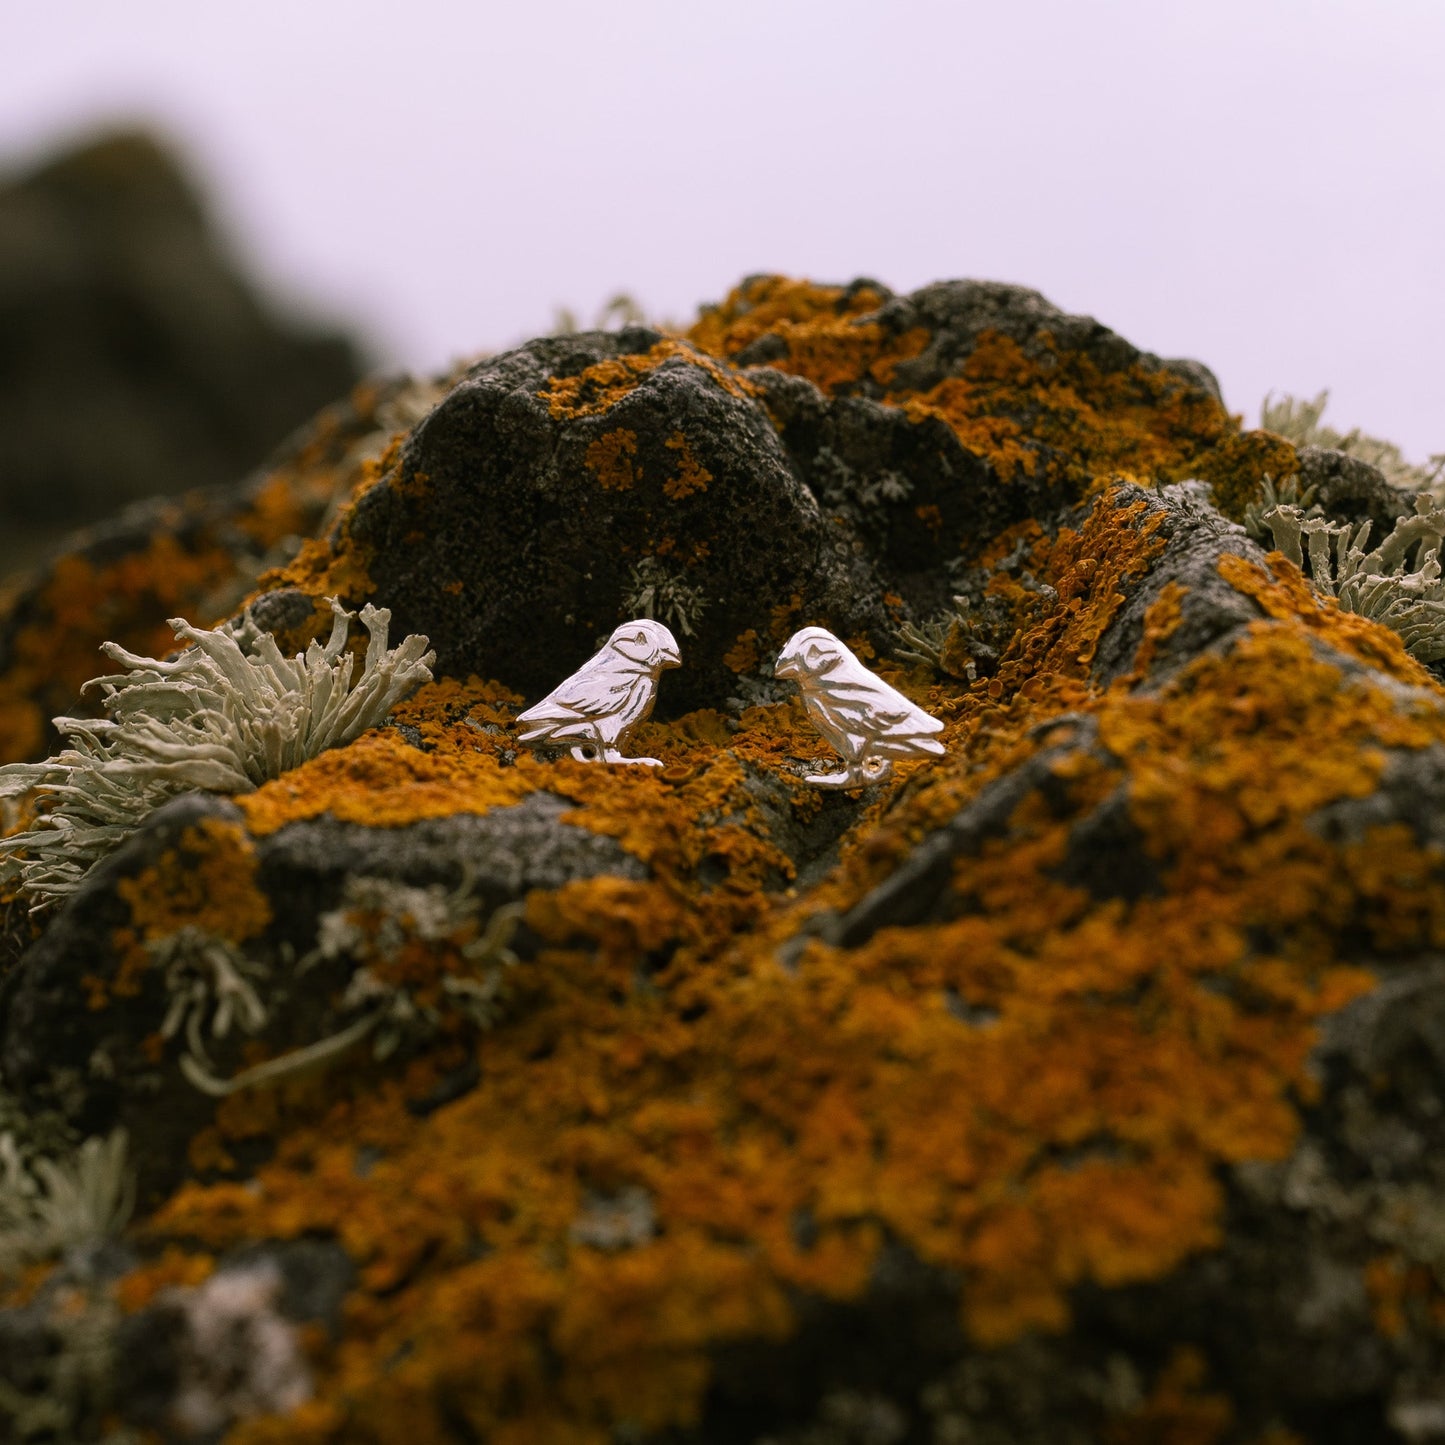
(855,775)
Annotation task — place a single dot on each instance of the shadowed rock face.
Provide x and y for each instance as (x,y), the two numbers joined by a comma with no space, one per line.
(542,505)
(1084,1085)
(527,515)
(134,358)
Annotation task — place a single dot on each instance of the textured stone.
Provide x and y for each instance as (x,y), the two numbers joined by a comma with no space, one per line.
(1085,1084)
(1352,490)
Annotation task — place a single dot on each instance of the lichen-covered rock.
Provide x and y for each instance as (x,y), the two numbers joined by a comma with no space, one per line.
(1085,1084)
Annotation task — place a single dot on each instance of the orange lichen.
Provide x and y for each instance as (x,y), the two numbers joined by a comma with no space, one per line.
(1161,622)
(930,516)
(207,882)
(174,1269)
(613,459)
(1021,409)
(1404,1295)
(1059,411)
(601,386)
(821,327)
(764,303)
(22,724)
(742,656)
(334,566)
(190,565)
(691,476)
(1088,570)
(279,509)
(18,1287)
(82,604)
(382,781)
(1236,466)
(784,617)
(999,438)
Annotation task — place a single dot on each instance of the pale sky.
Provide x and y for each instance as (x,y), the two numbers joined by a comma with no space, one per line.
(1256,183)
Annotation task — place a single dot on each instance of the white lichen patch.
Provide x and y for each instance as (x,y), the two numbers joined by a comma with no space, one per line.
(228,714)
(208,981)
(1397,583)
(926,641)
(379,917)
(239,1357)
(611,1222)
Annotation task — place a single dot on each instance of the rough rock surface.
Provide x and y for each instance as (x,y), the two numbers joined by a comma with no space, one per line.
(1085,1084)
(134,359)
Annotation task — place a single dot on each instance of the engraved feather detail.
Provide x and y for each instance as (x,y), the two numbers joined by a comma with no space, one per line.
(865,720)
(595,708)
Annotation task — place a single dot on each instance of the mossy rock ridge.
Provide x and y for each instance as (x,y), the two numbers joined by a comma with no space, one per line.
(105,1062)
(1083,1084)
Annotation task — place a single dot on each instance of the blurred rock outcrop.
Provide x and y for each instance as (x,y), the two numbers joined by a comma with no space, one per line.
(135,356)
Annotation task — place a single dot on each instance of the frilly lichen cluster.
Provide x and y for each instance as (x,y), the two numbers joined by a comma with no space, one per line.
(657,591)
(1301,422)
(51,1205)
(1397,583)
(224,716)
(1287,494)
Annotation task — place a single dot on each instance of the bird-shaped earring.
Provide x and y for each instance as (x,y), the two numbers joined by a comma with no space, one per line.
(867,721)
(604,699)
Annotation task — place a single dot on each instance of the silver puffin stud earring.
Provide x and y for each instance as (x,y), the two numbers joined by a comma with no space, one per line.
(605,698)
(863,718)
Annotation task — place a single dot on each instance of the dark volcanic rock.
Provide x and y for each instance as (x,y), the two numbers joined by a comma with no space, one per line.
(957,313)
(514,527)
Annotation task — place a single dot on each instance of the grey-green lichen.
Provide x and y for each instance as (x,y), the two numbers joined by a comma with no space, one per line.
(1287,494)
(209,982)
(1397,583)
(622,309)
(963,640)
(70,1387)
(654,590)
(48,1206)
(1301,422)
(229,713)
(925,641)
